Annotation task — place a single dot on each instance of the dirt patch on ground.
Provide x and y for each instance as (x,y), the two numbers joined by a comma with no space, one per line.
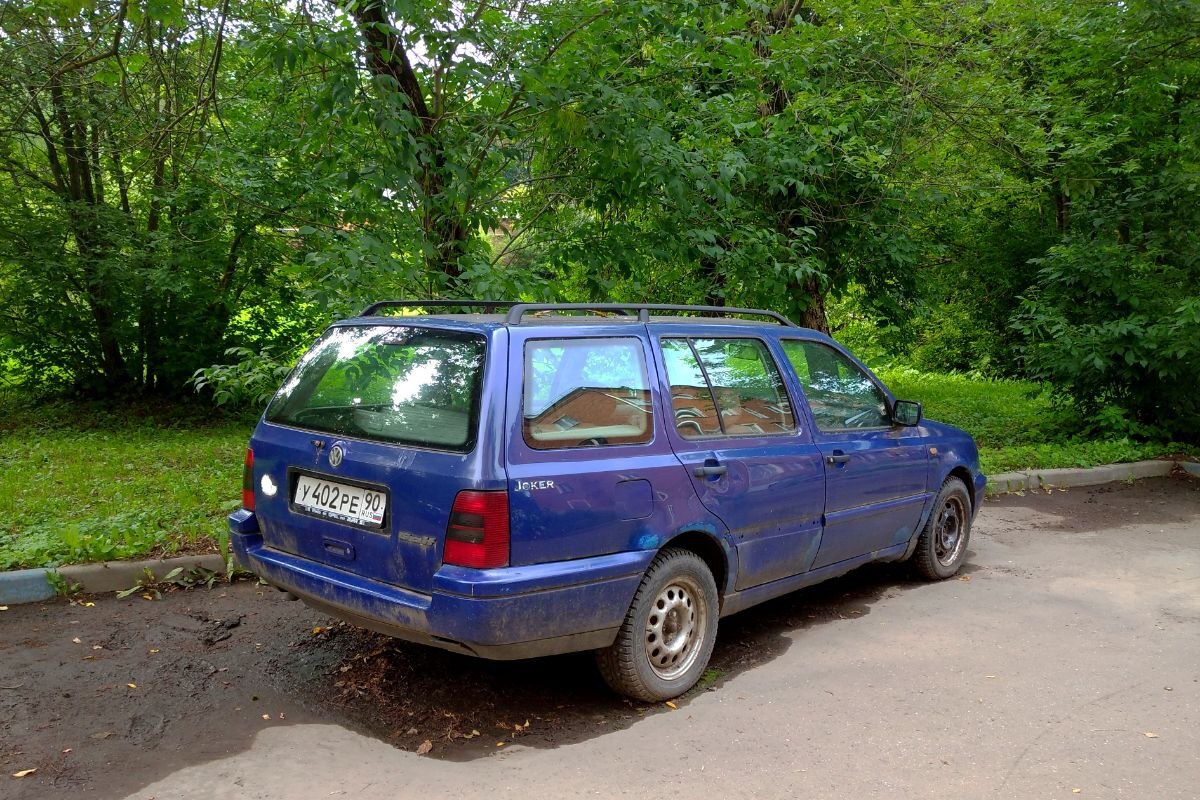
(1082,510)
(100,698)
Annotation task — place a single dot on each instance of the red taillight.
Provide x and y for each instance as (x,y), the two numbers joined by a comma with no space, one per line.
(478,532)
(248,481)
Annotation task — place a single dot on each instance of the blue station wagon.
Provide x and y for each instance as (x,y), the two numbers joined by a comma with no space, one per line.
(544,478)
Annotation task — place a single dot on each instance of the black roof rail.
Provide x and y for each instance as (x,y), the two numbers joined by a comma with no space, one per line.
(487,305)
(519,310)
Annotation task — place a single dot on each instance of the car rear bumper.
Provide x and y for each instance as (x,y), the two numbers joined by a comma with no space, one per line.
(507,613)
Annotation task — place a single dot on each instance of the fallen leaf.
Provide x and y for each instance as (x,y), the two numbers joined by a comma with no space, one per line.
(24,772)
(964,577)
(154,650)
(671,705)
(1150,735)
(266,716)
(76,640)
(499,744)
(425,747)
(319,629)
(131,685)
(87,604)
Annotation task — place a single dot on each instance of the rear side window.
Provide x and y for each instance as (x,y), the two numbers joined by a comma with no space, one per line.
(586,393)
(407,385)
(726,386)
(840,394)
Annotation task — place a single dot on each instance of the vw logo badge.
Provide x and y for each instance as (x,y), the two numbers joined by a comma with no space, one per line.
(335,455)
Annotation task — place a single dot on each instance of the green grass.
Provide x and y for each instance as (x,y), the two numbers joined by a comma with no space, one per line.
(86,482)
(1015,423)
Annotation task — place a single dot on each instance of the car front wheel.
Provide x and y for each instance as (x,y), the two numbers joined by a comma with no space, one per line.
(942,548)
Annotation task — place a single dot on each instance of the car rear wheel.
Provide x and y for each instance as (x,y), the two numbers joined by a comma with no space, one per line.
(942,548)
(668,634)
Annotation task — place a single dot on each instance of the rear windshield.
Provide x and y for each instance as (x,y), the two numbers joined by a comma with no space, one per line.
(393,384)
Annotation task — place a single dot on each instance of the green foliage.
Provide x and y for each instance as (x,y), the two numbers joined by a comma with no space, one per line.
(250,381)
(1074,453)
(1118,329)
(998,413)
(61,586)
(1006,189)
(96,482)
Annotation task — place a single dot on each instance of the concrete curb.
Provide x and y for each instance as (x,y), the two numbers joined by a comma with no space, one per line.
(32,585)
(1010,482)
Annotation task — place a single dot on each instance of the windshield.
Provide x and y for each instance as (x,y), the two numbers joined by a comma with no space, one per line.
(395,384)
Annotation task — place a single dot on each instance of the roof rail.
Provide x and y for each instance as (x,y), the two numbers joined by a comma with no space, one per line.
(519,310)
(487,305)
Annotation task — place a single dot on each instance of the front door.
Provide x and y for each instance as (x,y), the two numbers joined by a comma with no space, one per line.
(735,431)
(876,473)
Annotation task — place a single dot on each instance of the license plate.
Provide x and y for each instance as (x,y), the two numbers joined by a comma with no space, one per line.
(339,501)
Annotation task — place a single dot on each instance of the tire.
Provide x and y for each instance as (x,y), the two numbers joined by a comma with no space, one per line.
(942,548)
(653,658)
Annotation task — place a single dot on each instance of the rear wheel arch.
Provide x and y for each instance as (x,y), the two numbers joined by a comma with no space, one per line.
(711,552)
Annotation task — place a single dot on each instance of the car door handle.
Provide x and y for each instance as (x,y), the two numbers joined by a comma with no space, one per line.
(710,470)
(837,458)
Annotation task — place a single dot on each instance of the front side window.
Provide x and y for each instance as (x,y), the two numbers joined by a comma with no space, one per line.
(389,383)
(726,386)
(586,393)
(840,394)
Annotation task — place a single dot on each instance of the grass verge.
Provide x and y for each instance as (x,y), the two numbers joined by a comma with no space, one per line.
(1015,423)
(82,482)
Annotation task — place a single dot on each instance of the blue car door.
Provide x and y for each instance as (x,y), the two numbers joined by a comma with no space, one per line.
(876,473)
(734,428)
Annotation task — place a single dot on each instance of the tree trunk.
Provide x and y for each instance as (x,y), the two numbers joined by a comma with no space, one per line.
(387,57)
(812,301)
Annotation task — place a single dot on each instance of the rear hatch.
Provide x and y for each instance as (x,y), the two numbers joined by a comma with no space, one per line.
(359,457)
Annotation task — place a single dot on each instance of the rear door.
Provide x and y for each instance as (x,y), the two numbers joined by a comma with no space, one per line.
(378,413)
(590,472)
(734,428)
(875,472)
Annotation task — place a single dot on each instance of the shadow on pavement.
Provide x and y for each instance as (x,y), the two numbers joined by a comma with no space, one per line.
(407,694)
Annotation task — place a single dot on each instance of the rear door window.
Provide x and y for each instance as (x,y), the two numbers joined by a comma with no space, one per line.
(586,393)
(387,383)
(841,396)
(726,386)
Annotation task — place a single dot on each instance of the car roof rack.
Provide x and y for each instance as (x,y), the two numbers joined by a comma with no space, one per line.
(486,305)
(519,310)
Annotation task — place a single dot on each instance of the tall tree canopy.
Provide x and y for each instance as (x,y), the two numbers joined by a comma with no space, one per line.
(1001,186)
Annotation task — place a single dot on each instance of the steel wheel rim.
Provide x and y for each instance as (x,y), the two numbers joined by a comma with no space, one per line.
(675,628)
(950,534)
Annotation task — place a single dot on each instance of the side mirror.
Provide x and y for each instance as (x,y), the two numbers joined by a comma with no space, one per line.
(906,413)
